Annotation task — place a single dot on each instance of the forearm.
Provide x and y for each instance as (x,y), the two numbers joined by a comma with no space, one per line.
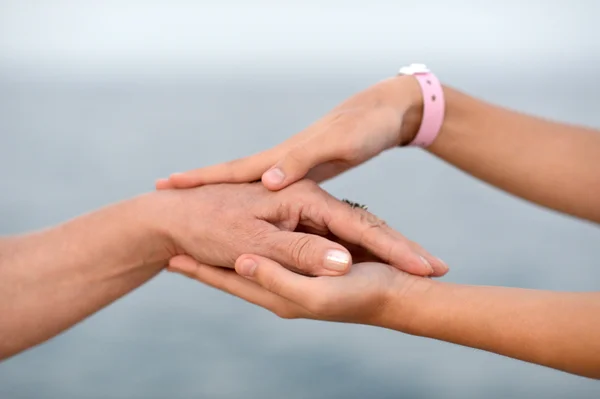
(51,280)
(554,329)
(552,164)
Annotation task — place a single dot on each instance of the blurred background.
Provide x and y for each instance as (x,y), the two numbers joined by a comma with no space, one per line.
(97,99)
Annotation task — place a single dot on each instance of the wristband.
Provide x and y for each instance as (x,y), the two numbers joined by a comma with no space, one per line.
(433,104)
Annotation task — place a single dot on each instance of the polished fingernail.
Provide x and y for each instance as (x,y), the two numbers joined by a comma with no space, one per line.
(247,267)
(337,260)
(274,176)
(426,262)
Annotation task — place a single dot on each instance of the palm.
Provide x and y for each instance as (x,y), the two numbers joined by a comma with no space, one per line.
(353,296)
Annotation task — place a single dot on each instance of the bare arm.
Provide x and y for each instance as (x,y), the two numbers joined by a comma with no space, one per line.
(52,279)
(554,329)
(553,164)
(550,163)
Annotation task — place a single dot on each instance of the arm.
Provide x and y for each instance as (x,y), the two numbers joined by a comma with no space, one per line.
(552,164)
(555,165)
(52,279)
(554,329)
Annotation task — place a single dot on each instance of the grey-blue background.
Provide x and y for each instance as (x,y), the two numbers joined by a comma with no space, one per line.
(97,99)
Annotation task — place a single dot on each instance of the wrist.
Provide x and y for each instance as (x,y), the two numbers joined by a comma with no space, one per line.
(153,218)
(404,302)
(402,94)
(412,117)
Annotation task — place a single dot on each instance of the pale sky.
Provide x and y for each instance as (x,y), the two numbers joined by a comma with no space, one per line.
(126,34)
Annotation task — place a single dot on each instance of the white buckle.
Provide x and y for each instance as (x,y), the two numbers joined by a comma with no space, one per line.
(413,69)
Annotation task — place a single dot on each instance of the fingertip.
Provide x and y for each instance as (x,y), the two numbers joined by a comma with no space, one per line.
(439,266)
(257,268)
(177,180)
(337,261)
(246,266)
(185,180)
(162,184)
(415,264)
(274,179)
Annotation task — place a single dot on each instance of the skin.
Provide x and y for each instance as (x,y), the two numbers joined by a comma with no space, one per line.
(549,163)
(52,279)
(546,162)
(553,329)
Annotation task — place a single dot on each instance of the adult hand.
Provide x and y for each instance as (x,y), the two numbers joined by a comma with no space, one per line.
(383,116)
(361,296)
(216,224)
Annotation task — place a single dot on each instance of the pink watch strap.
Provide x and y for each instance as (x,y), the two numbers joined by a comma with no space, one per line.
(433,105)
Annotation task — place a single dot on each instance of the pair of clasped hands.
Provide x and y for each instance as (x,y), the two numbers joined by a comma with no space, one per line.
(296,250)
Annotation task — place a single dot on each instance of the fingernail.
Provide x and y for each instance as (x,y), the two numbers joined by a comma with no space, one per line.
(426,264)
(337,260)
(247,267)
(443,263)
(274,176)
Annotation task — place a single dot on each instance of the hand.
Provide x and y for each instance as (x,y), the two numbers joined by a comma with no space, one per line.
(368,294)
(215,224)
(383,116)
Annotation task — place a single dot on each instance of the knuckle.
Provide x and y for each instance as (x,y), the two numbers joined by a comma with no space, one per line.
(300,251)
(369,220)
(396,250)
(371,225)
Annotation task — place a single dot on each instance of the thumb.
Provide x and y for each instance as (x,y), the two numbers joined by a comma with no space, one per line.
(295,164)
(307,253)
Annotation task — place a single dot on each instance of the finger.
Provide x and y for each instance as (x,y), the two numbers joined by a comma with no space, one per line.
(326,171)
(306,253)
(241,170)
(229,281)
(275,278)
(440,268)
(297,162)
(162,184)
(361,227)
(358,253)
(183,264)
